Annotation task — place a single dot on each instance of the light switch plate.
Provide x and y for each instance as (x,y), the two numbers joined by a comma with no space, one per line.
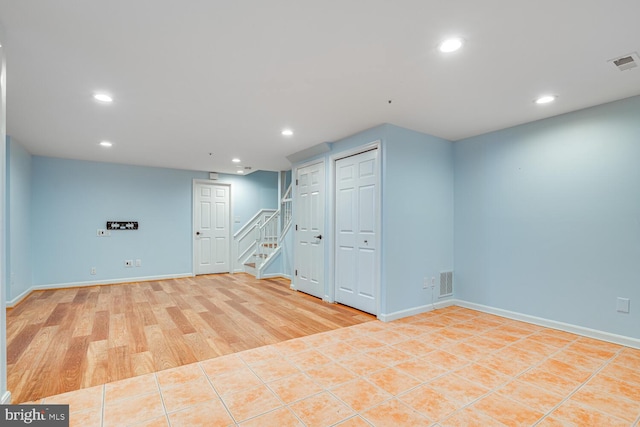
(623,305)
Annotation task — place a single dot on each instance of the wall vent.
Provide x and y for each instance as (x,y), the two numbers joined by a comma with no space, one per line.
(446,283)
(626,62)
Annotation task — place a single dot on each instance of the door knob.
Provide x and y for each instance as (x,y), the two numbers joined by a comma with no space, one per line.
(319,237)
(197,233)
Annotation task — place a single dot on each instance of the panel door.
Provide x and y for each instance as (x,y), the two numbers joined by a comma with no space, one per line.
(211,228)
(309,255)
(357,211)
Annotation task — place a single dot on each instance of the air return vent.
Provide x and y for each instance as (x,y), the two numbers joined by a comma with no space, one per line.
(626,62)
(446,283)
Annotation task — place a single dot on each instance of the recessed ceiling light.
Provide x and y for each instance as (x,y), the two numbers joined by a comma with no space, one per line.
(287,132)
(545,99)
(102,97)
(105,144)
(236,160)
(450,45)
(240,171)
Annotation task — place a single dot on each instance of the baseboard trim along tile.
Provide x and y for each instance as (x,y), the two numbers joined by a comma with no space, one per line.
(567,327)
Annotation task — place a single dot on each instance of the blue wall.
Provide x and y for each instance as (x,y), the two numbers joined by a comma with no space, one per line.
(417,212)
(250,193)
(18,230)
(418,215)
(547,217)
(71,199)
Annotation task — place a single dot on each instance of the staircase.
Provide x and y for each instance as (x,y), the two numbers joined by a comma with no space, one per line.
(259,241)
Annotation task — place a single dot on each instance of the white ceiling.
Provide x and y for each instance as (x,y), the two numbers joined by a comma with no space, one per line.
(195,77)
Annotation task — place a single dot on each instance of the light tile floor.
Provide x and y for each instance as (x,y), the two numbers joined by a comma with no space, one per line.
(450,367)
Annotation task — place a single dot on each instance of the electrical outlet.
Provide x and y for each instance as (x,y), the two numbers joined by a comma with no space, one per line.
(101,232)
(128,263)
(623,305)
(93,270)
(138,263)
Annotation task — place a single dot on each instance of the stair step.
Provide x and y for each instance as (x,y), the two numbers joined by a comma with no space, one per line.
(270,245)
(250,264)
(260,255)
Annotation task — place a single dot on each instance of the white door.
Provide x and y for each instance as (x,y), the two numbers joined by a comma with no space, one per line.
(211,228)
(309,255)
(357,211)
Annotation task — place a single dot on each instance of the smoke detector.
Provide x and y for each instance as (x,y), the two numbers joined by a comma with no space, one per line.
(626,62)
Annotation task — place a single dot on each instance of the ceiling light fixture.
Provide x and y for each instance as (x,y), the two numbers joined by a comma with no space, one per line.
(240,171)
(105,144)
(287,132)
(102,97)
(545,99)
(450,45)
(236,160)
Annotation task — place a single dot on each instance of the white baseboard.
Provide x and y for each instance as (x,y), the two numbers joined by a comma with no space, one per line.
(415,310)
(16,300)
(567,327)
(6,398)
(272,275)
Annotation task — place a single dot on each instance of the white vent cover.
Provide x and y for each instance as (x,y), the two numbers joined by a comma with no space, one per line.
(626,62)
(446,283)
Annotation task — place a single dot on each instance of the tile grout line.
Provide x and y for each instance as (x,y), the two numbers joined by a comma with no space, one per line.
(584,383)
(472,362)
(224,404)
(104,404)
(530,368)
(413,358)
(303,372)
(164,408)
(394,366)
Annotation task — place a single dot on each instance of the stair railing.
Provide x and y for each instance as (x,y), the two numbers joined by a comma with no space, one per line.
(267,241)
(268,233)
(246,238)
(286,207)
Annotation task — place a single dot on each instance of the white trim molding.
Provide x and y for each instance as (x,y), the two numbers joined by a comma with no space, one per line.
(567,327)
(6,398)
(548,323)
(275,275)
(16,300)
(390,317)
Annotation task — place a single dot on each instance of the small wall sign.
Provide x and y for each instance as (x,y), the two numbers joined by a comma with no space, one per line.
(122,225)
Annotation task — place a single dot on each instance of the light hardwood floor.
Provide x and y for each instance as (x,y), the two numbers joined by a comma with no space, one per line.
(68,339)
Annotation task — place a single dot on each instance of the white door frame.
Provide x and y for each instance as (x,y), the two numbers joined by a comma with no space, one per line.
(193,222)
(294,174)
(332,218)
